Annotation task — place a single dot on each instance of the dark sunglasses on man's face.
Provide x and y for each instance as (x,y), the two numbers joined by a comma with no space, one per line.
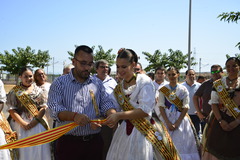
(214,72)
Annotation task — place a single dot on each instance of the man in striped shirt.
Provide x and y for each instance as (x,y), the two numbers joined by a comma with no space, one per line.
(79,97)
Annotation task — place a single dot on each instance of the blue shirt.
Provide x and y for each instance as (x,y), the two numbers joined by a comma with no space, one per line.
(67,94)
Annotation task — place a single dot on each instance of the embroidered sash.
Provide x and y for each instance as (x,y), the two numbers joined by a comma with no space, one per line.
(163,144)
(94,103)
(10,136)
(29,104)
(227,101)
(172,97)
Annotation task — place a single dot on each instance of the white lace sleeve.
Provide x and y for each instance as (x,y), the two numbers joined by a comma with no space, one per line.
(146,99)
(214,98)
(161,100)
(185,99)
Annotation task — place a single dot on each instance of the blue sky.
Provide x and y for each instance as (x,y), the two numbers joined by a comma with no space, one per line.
(57,26)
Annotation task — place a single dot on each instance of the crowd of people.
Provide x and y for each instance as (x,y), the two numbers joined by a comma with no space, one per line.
(137,115)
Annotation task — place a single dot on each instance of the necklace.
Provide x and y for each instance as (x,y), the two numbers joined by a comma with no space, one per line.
(133,77)
(173,88)
(231,80)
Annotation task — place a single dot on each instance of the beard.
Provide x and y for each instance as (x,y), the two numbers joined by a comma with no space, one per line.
(84,74)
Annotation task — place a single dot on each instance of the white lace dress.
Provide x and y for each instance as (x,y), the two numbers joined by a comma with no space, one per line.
(4,153)
(134,146)
(40,152)
(183,137)
(45,87)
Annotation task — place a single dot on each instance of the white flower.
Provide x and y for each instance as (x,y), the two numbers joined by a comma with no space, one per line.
(236,109)
(158,135)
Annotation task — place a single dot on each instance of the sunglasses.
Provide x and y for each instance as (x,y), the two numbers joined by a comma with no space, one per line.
(215,72)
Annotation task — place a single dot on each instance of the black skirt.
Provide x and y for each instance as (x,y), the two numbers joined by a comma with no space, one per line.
(222,144)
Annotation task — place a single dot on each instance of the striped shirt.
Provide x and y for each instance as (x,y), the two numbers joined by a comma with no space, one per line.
(67,94)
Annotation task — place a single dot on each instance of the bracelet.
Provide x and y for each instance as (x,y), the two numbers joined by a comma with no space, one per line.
(74,115)
(37,119)
(219,120)
(237,120)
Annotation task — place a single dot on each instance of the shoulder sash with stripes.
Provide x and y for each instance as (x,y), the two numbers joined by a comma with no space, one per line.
(227,101)
(166,148)
(28,104)
(10,136)
(94,102)
(172,97)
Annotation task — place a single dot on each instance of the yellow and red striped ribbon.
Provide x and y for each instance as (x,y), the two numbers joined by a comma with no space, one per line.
(41,138)
(45,137)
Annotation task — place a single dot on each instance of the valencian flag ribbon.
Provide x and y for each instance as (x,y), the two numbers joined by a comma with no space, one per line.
(41,138)
(44,137)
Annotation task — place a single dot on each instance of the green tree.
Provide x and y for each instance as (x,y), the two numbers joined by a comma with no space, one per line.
(107,55)
(23,57)
(236,55)
(99,54)
(230,17)
(172,59)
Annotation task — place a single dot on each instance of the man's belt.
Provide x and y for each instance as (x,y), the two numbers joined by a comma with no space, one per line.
(82,138)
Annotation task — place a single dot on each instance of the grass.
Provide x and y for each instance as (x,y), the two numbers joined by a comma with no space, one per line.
(8,87)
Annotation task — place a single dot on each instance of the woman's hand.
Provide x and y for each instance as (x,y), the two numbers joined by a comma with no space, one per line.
(25,125)
(200,116)
(225,126)
(233,124)
(177,124)
(95,125)
(112,120)
(171,126)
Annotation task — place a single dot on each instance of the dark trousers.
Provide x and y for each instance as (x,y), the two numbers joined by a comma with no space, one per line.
(107,135)
(196,122)
(79,148)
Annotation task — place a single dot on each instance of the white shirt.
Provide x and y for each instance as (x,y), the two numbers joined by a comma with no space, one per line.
(2,92)
(109,84)
(191,89)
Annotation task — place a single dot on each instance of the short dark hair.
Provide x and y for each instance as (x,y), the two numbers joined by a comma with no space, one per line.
(188,71)
(216,66)
(83,48)
(173,69)
(151,75)
(160,68)
(201,77)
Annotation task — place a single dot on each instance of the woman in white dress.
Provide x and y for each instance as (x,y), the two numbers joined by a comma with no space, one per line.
(40,79)
(22,119)
(136,96)
(174,104)
(4,154)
